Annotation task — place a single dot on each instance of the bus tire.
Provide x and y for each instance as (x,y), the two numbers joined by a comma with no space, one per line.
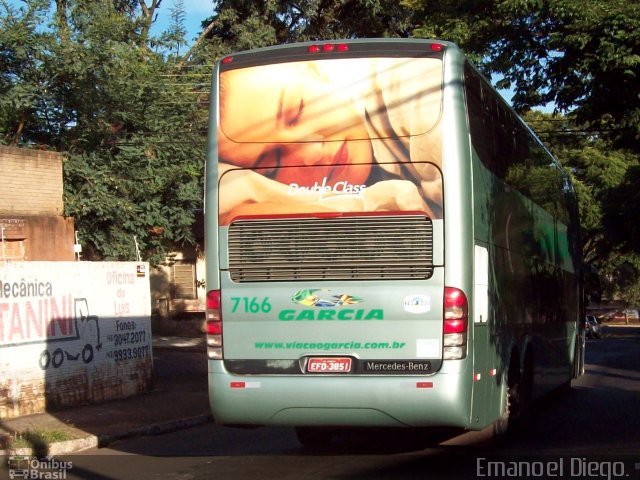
(314,437)
(525,395)
(505,426)
(578,356)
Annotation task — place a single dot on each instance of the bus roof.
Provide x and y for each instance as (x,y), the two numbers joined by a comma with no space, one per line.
(387,47)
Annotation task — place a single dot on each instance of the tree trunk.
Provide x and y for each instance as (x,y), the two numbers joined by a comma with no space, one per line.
(199,40)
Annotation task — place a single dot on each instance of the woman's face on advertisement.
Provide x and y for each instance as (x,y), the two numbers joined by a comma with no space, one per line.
(289,115)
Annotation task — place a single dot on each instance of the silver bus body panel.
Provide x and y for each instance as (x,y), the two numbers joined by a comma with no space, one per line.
(413,401)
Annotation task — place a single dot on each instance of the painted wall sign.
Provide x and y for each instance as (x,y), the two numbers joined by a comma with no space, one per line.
(72,333)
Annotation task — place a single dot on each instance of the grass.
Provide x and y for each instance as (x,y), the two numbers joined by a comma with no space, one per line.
(37,440)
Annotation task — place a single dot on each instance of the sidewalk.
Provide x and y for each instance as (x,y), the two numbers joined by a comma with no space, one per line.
(179,399)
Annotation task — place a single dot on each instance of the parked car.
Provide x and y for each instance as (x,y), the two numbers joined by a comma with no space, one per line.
(624,315)
(617,316)
(592,327)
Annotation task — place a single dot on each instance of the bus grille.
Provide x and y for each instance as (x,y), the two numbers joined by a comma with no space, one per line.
(344,248)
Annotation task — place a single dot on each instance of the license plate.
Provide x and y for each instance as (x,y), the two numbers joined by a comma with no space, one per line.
(329,365)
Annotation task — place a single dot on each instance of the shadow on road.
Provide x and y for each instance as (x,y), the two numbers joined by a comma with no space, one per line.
(595,419)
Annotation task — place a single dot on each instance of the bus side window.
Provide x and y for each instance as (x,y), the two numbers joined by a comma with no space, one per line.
(479,126)
(481,120)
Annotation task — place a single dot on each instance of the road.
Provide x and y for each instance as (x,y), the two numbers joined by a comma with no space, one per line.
(591,431)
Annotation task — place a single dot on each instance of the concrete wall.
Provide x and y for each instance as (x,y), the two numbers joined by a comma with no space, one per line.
(37,238)
(31,183)
(31,207)
(72,333)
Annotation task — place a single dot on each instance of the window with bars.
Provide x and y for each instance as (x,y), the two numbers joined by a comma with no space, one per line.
(13,250)
(183,278)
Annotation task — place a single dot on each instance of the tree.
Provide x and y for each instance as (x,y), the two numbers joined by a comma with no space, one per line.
(174,36)
(87,78)
(244,24)
(128,125)
(606,182)
(582,56)
(23,81)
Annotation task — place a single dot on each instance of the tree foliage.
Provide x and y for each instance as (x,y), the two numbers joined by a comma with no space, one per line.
(88,78)
(606,183)
(243,24)
(79,79)
(582,56)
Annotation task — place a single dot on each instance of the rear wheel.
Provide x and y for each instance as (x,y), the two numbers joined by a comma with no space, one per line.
(516,403)
(525,395)
(506,423)
(578,356)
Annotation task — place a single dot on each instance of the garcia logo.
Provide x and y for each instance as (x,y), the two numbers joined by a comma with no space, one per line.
(310,298)
(325,308)
(339,188)
(343,314)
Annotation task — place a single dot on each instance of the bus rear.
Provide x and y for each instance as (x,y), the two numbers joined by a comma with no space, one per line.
(328,302)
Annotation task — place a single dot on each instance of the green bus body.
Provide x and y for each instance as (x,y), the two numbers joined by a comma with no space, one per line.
(330,277)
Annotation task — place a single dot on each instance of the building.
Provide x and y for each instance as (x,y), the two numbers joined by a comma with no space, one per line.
(178,287)
(32,222)
(71,333)
(33,228)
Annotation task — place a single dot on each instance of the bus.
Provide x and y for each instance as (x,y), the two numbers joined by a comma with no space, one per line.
(387,243)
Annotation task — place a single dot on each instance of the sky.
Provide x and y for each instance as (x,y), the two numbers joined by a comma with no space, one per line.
(198,10)
(195,12)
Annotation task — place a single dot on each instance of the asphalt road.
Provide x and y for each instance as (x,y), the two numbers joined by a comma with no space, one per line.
(591,431)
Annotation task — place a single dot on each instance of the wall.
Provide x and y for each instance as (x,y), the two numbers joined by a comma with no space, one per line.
(36,238)
(72,333)
(31,183)
(31,207)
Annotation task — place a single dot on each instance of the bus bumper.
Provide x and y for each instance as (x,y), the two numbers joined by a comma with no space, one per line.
(442,399)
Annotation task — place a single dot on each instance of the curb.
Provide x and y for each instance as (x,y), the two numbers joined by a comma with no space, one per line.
(100,441)
(56,448)
(155,429)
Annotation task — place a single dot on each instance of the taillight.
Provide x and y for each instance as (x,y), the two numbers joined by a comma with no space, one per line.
(214,325)
(328,47)
(456,322)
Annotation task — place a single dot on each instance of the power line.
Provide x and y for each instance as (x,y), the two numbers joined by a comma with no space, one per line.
(185,75)
(197,92)
(162,142)
(594,132)
(172,132)
(550,120)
